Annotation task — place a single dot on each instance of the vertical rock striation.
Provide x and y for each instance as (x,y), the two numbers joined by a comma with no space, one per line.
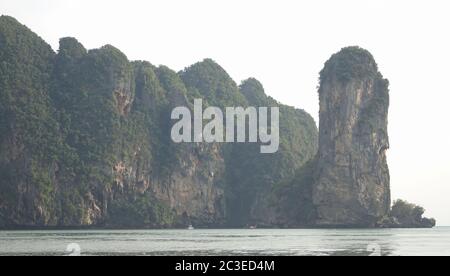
(352,186)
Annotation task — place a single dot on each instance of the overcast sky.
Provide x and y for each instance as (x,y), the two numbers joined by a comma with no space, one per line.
(284,44)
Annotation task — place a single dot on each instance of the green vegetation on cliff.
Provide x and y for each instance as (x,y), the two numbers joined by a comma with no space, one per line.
(253,192)
(85,140)
(406,214)
(211,82)
(297,191)
(30,138)
(350,63)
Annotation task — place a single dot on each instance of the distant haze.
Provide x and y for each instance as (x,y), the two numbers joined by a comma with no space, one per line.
(284,44)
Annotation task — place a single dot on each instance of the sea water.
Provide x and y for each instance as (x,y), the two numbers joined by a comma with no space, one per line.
(266,242)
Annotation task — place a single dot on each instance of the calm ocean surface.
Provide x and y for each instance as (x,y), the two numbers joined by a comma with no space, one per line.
(229,242)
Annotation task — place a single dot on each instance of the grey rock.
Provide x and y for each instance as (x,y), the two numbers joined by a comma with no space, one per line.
(353,183)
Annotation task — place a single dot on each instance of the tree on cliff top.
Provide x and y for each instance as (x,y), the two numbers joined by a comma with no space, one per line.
(349,63)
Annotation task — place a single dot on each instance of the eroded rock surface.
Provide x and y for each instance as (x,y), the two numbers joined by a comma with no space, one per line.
(352,186)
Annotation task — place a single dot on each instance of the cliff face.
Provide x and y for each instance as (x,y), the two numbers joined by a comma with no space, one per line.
(352,186)
(85,141)
(256,180)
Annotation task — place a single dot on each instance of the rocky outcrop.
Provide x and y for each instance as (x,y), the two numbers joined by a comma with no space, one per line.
(352,186)
(406,215)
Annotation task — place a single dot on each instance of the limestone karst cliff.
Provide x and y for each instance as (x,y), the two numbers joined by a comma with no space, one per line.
(352,186)
(85,141)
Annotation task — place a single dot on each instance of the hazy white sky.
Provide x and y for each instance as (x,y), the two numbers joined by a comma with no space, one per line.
(284,44)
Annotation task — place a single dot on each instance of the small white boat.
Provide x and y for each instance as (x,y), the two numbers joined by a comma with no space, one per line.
(190,227)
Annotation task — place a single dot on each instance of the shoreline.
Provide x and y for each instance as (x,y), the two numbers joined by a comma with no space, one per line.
(6,229)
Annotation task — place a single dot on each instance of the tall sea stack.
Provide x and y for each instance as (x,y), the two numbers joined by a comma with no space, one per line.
(352,187)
